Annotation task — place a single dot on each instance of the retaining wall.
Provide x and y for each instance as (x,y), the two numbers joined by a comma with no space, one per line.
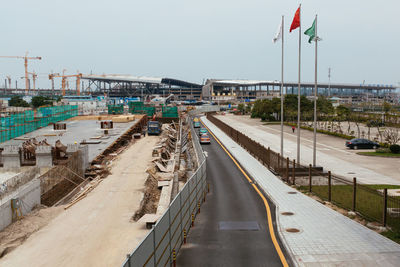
(29,195)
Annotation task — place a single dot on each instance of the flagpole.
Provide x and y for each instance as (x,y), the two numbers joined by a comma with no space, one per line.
(298,97)
(282,30)
(315,96)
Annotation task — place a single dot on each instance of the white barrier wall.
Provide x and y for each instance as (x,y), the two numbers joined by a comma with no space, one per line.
(166,238)
(29,196)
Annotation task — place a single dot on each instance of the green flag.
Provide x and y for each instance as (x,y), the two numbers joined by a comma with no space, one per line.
(311,32)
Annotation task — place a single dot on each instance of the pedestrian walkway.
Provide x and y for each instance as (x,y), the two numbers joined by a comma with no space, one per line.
(325,237)
(326,158)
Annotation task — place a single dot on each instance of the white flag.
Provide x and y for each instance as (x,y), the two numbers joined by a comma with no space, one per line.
(278,34)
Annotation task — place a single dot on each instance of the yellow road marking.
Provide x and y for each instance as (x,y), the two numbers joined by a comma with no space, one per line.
(269,220)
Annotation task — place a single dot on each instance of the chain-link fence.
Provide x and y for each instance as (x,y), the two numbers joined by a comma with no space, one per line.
(373,204)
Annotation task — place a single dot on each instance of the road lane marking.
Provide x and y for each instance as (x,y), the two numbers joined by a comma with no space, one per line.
(268,209)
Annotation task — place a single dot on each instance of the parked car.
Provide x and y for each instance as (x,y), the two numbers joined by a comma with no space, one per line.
(205,139)
(196,124)
(357,143)
(202,131)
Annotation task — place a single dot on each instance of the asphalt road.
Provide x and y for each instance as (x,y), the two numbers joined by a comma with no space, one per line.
(232,228)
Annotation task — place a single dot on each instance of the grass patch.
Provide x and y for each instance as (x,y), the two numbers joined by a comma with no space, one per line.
(395,236)
(272,123)
(383,186)
(344,136)
(368,203)
(379,154)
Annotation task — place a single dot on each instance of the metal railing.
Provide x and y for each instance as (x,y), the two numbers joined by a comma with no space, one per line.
(163,242)
(373,204)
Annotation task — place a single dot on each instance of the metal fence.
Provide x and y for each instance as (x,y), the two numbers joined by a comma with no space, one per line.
(373,204)
(161,245)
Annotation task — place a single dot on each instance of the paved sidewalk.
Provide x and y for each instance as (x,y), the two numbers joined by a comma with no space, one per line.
(326,237)
(330,162)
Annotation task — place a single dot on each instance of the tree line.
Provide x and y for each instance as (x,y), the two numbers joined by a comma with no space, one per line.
(270,109)
(37,101)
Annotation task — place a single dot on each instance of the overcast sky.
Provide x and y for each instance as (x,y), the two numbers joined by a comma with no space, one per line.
(196,40)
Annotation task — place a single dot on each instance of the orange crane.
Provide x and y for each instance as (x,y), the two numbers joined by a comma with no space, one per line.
(26,58)
(34,77)
(64,80)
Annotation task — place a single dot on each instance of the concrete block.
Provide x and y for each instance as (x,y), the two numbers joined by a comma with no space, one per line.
(85,156)
(43,156)
(10,157)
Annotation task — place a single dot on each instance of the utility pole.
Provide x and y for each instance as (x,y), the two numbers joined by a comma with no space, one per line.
(329,78)
(315,95)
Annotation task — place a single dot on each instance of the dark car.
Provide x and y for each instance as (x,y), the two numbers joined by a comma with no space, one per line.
(361,143)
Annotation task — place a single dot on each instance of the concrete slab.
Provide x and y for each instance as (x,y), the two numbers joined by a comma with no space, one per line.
(76,132)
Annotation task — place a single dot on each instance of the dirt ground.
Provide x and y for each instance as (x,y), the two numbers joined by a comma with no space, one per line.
(98,230)
(16,233)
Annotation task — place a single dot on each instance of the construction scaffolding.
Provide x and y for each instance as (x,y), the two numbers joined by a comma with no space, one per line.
(14,125)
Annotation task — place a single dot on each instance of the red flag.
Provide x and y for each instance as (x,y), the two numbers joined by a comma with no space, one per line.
(296,20)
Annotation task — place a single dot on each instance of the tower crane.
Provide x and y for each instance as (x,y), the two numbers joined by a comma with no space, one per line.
(64,80)
(26,58)
(9,81)
(34,77)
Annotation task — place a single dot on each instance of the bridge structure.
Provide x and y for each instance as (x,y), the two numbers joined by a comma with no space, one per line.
(118,85)
(121,86)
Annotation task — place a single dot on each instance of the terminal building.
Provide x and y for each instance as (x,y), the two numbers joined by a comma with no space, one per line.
(228,90)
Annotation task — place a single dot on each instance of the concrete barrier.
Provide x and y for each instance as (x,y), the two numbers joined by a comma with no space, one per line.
(29,196)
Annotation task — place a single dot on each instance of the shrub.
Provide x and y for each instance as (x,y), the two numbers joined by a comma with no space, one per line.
(395,149)
(385,145)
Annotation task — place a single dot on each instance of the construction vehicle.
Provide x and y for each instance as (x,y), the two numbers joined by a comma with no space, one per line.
(153,127)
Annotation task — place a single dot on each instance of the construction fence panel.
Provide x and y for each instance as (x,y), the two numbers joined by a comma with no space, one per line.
(176,224)
(142,257)
(162,235)
(192,194)
(186,215)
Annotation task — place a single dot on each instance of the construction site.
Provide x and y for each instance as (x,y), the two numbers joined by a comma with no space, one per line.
(105,179)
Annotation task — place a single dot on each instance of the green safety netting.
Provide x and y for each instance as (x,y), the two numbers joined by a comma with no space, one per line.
(138,107)
(116,109)
(170,112)
(14,125)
